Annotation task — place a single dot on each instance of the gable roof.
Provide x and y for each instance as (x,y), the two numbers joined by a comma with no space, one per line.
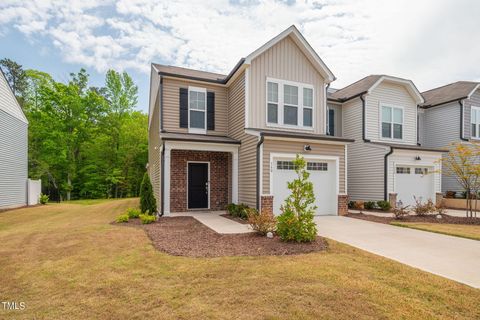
(451,92)
(8,101)
(369,83)
(303,44)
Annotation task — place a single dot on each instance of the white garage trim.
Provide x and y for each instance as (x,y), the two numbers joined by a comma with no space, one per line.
(308,156)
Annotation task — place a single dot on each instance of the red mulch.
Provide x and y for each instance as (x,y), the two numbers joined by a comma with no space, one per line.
(236,219)
(429,218)
(185,236)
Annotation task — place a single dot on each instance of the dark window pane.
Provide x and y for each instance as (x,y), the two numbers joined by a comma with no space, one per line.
(272,113)
(397,131)
(197,119)
(290,115)
(386,130)
(474,131)
(307,117)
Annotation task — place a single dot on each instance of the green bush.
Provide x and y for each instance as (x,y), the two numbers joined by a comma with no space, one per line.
(43,198)
(351,204)
(384,205)
(133,213)
(147,219)
(122,218)
(238,210)
(148,203)
(295,223)
(370,205)
(262,222)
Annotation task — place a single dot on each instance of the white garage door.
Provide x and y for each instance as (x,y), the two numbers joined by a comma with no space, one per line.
(413,181)
(322,174)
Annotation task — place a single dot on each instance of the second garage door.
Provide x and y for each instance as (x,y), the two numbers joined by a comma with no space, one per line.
(413,181)
(323,174)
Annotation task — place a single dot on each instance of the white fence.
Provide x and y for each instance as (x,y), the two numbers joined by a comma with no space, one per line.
(34,188)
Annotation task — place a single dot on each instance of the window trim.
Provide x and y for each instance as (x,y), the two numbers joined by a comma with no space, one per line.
(280,105)
(380,121)
(197,130)
(477,109)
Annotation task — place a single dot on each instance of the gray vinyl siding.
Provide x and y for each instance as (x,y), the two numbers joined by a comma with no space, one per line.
(338,119)
(365,162)
(154,165)
(247,174)
(13,161)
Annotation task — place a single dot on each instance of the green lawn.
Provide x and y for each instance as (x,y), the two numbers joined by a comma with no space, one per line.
(67,261)
(457,230)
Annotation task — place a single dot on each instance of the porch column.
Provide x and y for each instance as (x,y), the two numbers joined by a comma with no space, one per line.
(235,176)
(166,191)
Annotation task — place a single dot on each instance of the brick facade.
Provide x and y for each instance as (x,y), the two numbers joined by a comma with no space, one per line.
(266,204)
(220,167)
(342,204)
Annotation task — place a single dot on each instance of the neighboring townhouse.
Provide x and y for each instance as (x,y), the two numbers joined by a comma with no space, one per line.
(450,114)
(385,163)
(13,149)
(216,139)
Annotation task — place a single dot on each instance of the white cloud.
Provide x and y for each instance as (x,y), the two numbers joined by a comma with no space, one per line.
(431,42)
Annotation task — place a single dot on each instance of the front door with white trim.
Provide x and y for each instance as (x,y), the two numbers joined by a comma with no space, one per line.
(322,174)
(198,189)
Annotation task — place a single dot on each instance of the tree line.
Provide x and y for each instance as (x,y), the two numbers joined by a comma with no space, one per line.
(84,141)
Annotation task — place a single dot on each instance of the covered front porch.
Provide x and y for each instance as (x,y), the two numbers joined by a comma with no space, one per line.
(199,176)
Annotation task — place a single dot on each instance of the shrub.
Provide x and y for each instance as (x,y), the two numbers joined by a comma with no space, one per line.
(147,219)
(423,209)
(122,218)
(43,198)
(261,222)
(295,223)
(351,204)
(147,199)
(450,194)
(441,209)
(369,205)
(384,205)
(359,205)
(238,210)
(400,212)
(133,213)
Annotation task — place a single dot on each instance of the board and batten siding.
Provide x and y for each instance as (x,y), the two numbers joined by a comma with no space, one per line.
(154,164)
(394,95)
(247,174)
(284,61)
(296,147)
(365,161)
(171,105)
(13,160)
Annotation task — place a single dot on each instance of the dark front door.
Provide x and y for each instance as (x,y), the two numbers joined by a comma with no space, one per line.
(197,185)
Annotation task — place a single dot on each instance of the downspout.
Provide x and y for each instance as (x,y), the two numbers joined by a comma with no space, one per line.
(460,102)
(162,179)
(418,126)
(362,97)
(161,103)
(259,145)
(385,173)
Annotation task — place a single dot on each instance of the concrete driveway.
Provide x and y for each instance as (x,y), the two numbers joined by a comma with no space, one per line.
(450,257)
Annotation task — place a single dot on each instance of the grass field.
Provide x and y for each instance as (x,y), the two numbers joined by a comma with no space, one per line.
(66,261)
(457,230)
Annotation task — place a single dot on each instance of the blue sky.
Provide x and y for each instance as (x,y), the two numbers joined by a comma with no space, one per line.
(430,42)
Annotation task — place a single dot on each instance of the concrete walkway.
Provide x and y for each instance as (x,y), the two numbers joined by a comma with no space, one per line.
(215,221)
(450,257)
(450,212)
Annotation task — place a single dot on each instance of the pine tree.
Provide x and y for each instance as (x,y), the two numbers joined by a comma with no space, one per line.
(148,203)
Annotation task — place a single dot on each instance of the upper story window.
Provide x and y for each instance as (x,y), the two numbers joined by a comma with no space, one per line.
(475,122)
(289,104)
(197,110)
(392,123)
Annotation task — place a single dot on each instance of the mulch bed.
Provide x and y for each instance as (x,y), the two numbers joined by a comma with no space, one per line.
(430,219)
(236,219)
(185,236)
